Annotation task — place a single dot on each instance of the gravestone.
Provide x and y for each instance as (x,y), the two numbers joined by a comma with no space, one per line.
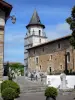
(63,84)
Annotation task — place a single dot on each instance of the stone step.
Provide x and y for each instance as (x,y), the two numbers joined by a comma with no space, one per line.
(33,89)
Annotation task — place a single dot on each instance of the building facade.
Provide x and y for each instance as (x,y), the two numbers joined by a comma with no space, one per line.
(35,35)
(5,10)
(49,57)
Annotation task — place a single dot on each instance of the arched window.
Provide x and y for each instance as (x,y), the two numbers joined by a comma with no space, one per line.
(36,60)
(50,69)
(68,56)
(39,32)
(58,45)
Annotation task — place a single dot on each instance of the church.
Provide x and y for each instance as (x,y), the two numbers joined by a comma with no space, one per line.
(43,55)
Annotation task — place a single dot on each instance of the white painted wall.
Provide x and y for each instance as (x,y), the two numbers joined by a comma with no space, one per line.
(54,80)
(2,18)
(28,40)
(36,40)
(36,30)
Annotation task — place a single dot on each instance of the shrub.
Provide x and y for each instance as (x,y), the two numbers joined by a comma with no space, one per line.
(51,92)
(8,94)
(11,84)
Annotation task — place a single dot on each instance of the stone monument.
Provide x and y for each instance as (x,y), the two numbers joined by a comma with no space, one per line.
(63,84)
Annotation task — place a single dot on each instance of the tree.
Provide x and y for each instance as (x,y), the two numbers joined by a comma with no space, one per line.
(71,22)
(17,67)
(6,69)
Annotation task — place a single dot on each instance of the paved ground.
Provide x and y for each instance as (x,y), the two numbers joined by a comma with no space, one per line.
(40,96)
(26,83)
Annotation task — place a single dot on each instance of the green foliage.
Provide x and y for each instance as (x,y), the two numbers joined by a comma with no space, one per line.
(22,71)
(17,67)
(73,12)
(10,77)
(8,94)
(11,84)
(71,22)
(72,41)
(51,92)
(6,69)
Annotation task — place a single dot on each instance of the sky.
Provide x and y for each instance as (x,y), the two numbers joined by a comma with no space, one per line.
(52,13)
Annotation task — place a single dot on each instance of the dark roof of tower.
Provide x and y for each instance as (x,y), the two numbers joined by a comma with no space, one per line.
(35,20)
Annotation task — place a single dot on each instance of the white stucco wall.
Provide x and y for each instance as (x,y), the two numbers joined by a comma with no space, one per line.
(28,40)
(36,40)
(54,80)
(36,30)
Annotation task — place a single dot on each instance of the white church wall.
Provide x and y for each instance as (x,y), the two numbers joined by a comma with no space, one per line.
(36,40)
(26,55)
(29,40)
(36,30)
(54,80)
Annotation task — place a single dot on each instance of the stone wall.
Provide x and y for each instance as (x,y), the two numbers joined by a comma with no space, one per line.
(2,23)
(52,56)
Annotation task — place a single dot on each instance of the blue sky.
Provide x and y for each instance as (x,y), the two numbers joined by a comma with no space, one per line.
(52,14)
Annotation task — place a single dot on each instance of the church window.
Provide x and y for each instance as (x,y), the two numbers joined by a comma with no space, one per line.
(39,32)
(68,57)
(50,69)
(58,45)
(36,60)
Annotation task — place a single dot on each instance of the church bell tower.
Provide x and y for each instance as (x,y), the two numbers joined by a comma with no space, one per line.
(35,35)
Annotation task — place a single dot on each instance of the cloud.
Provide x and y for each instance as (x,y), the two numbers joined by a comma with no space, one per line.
(17,38)
(56,31)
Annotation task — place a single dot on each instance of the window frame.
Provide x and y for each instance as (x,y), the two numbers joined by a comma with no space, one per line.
(59,45)
(68,57)
(39,32)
